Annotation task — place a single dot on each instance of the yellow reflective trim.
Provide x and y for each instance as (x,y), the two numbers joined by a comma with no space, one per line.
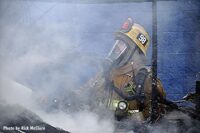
(114,104)
(133,111)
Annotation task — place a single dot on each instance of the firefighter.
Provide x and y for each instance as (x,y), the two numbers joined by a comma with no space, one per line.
(128,81)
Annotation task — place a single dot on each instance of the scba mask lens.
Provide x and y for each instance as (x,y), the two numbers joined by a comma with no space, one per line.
(117,50)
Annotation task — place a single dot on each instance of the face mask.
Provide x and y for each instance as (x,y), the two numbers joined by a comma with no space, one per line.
(121,53)
(117,51)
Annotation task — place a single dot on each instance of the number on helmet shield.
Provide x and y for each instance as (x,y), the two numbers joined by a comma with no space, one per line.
(142,39)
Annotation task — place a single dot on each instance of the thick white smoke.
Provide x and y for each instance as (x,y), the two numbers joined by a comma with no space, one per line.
(43,62)
(25,53)
(32,66)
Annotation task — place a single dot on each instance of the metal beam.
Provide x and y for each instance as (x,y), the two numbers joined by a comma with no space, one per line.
(154,113)
(92,1)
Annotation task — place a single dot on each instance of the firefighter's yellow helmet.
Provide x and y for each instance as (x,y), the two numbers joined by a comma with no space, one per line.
(134,33)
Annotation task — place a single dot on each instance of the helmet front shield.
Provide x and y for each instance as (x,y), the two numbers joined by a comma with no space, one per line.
(117,51)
